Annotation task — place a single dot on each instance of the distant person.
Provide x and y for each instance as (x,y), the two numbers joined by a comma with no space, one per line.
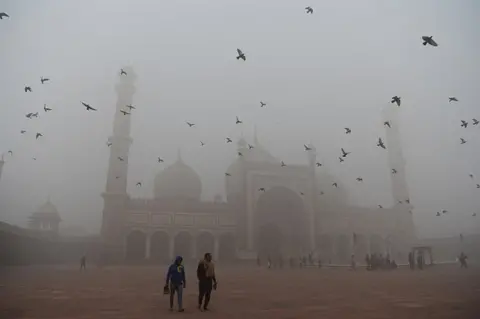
(411,261)
(420,261)
(353,264)
(176,282)
(206,281)
(463,260)
(259,263)
(83,263)
(269,262)
(368,262)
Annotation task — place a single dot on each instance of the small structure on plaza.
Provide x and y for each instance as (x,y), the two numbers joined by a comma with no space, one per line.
(46,219)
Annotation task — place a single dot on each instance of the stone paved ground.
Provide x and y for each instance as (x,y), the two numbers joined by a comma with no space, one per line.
(136,292)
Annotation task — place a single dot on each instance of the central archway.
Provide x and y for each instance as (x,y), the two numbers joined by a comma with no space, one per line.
(281,223)
(136,245)
(205,243)
(183,245)
(159,247)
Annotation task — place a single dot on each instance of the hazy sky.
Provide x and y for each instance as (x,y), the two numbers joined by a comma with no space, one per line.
(318,73)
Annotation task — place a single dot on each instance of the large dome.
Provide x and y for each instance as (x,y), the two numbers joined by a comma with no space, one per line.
(178,181)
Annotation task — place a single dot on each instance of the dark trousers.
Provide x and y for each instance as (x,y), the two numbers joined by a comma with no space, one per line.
(204,290)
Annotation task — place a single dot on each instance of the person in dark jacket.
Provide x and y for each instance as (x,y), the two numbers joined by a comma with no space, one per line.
(206,280)
(176,280)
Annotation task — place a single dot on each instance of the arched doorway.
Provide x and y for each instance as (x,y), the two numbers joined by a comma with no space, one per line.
(281,223)
(159,247)
(342,249)
(205,244)
(324,248)
(183,245)
(376,245)
(136,245)
(227,248)
(360,248)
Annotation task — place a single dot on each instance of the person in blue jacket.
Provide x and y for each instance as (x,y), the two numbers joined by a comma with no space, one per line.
(177,281)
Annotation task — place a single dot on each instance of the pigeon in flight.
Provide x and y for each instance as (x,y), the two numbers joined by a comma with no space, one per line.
(307,148)
(471,176)
(88,107)
(283,164)
(438,214)
(190,124)
(23,132)
(262,104)
(43,80)
(28,89)
(394,171)
(120,159)
(238,121)
(202,143)
(475,121)
(429,40)
(3,15)
(301,193)
(159,159)
(452,99)
(309,10)
(444,211)
(131,107)
(396,99)
(241,55)
(29,115)
(38,135)
(387,123)
(34,158)
(124,112)
(321,193)
(122,72)
(399,201)
(474,214)
(335,185)
(261,189)
(228,174)
(250,146)
(109,144)
(229,140)
(380,143)
(464,124)
(407,201)
(139,184)
(318,164)
(117,177)
(359,179)
(344,154)
(347,130)
(462,140)
(341,160)
(240,154)
(35,114)
(478,185)
(45,108)
(380,206)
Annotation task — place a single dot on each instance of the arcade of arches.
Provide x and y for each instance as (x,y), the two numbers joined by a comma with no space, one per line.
(161,247)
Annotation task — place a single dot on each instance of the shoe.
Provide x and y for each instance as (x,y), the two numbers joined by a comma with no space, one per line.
(181,310)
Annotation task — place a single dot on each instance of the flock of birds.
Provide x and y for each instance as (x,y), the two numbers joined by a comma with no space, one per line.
(427,40)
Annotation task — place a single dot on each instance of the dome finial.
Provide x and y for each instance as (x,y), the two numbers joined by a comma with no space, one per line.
(179,155)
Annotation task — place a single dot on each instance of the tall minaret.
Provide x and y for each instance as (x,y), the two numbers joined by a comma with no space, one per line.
(1,166)
(115,195)
(395,155)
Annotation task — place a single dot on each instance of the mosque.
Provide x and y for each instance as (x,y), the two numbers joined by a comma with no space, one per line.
(269,209)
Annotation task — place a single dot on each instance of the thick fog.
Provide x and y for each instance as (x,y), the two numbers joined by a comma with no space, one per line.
(317,73)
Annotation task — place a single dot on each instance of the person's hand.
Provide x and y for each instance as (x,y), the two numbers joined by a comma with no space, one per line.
(215,286)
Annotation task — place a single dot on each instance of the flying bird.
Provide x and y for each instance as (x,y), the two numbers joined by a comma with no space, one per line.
(240,154)
(462,140)
(359,179)
(452,99)
(262,104)
(88,107)
(335,185)
(10,152)
(307,148)
(35,114)
(394,171)
(341,160)
(109,144)
(309,10)
(131,107)
(387,123)
(45,108)
(159,159)
(471,176)
(229,140)
(261,189)
(124,112)
(3,15)
(318,164)
(478,185)
(38,135)
(301,193)
(250,146)
(241,55)
(380,143)
(475,121)
(396,99)
(190,124)
(429,40)
(474,214)
(407,201)
(464,124)
(444,211)
(399,201)
(29,115)
(227,174)
(321,193)
(238,121)
(23,132)
(139,184)
(347,130)
(438,214)
(117,177)
(28,89)
(122,72)
(283,164)
(202,144)
(344,154)
(43,80)
(380,206)
(120,158)
(34,158)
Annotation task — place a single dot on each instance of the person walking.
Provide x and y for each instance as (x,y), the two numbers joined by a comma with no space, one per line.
(206,281)
(176,282)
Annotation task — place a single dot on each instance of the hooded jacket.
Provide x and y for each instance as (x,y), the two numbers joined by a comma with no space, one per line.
(176,272)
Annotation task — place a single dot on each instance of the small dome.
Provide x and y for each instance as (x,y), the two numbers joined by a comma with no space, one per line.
(178,181)
(47,208)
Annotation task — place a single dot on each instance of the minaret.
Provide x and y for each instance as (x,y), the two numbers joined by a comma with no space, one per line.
(115,195)
(1,166)
(395,155)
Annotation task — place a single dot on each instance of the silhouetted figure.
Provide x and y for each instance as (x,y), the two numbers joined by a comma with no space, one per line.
(259,263)
(368,262)
(206,281)
(176,282)
(353,264)
(411,261)
(269,262)
(420,261)
(463,260)
(429,40)
(83,263)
